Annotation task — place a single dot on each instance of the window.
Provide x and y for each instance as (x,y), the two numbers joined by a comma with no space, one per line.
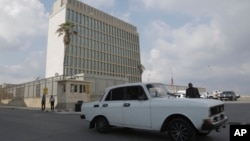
(127,93)
(73,88)
(63,88)
(115,94)
(135,93)
(82,88)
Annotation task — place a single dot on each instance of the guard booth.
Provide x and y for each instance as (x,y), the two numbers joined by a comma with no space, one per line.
(70,91)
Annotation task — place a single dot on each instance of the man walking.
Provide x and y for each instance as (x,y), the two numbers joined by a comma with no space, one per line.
(43,102)
(192,92)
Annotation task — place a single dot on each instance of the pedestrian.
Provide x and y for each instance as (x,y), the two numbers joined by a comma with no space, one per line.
(43,102)
(192,92)
(52,102)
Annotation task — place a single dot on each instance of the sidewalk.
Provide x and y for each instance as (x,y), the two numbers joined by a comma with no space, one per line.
(59,111)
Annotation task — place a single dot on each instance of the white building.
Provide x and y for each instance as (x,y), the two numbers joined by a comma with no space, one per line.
(104,46)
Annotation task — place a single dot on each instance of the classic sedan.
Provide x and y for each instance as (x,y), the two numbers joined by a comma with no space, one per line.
(151,106)
(228,95)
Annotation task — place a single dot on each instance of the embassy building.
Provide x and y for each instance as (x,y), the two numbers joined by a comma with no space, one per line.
(104,46)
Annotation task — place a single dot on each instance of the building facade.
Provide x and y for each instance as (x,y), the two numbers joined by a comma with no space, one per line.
(103,46)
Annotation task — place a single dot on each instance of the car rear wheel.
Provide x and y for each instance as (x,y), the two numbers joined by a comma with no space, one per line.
(180,129)
(102,125)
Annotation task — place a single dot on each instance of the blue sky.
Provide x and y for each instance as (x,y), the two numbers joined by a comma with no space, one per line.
(205,42)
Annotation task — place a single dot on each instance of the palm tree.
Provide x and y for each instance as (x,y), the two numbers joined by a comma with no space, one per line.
(65,28)
(141,68)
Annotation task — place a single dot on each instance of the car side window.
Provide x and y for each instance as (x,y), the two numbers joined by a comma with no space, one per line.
(135,93)
(115,94)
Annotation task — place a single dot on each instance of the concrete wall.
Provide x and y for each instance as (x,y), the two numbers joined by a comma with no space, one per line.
(55,45)
(28,102)
(36,102)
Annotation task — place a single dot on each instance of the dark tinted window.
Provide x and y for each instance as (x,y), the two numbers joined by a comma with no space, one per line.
(115,94)
(227,92)
(135,93)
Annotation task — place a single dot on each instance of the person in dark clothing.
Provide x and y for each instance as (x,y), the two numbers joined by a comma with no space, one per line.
(192,92)
(52,102)
(43,102)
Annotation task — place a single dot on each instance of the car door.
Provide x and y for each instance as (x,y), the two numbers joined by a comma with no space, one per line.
(136,108)
(112,105)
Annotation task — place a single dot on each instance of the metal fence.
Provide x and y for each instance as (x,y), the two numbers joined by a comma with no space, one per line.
(30,89)
(35,89)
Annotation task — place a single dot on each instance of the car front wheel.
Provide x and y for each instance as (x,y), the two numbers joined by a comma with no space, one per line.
(180,129)
(203,134)
(102,125)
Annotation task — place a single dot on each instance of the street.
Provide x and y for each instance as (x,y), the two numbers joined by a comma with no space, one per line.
(30,125)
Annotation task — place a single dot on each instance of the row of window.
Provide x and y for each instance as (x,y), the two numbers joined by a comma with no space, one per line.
(98,52)
(99,65)
(78,88)
(100,44)
(92,23)
(102,58)
(119,39)
(96,12)
(104,67)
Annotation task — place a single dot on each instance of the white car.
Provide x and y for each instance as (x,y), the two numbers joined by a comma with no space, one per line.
(149,106)
(180,95)
(204,94)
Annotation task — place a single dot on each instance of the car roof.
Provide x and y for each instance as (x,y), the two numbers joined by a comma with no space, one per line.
(131,84)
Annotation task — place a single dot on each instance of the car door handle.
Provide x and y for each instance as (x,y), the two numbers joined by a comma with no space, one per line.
(95,106)
(126,104)
(104,105)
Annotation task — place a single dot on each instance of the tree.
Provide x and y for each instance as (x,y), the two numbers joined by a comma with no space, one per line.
(66,30)
(141,68)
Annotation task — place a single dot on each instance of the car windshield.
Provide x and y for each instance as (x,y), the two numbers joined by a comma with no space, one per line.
(227,93)
(158,90)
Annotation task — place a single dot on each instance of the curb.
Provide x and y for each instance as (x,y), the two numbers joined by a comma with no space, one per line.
(59,111)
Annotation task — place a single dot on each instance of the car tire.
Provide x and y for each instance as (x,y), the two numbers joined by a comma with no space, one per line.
(203,134)
(102,125)
(180,129)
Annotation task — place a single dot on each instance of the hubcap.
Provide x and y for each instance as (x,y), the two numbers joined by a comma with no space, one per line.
(179,132)
(101,125)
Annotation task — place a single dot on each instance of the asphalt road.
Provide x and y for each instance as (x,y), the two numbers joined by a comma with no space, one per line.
(30,125)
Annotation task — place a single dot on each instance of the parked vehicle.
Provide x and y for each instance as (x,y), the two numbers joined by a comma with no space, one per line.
(237,96)
(215,94)
(180,95)
(204,94)
(228,95)
(151,106)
